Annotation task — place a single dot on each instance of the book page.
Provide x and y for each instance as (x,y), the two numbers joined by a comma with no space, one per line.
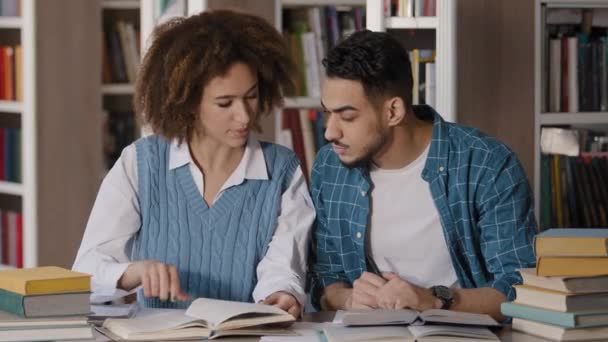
(148,321)
(361,334)
(451,331)
(457,317)
(378,317)
(215,312)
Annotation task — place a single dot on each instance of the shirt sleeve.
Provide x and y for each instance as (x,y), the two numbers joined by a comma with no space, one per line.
(507,225)
(283,268)
(327,267)
(114,219)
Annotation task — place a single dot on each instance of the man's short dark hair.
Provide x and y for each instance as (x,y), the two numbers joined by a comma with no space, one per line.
(377,60)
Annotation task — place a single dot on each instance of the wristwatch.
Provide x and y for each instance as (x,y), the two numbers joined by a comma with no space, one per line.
(444,294)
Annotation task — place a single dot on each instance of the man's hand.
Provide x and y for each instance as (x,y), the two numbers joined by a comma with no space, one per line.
(285,301)
(399,294)
(363,294)
(158,280)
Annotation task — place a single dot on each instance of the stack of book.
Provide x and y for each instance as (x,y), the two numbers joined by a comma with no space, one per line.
(565,298)
(44,303)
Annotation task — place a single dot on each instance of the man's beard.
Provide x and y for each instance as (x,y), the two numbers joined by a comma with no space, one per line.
(369,151)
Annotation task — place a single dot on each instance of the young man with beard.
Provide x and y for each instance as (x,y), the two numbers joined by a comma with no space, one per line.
(412,211)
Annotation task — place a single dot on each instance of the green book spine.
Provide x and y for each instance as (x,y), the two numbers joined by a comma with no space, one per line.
(12,302)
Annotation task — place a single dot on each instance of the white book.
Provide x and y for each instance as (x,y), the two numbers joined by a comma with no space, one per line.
(412,333)
(311,65)
(556,333)
(204,318)
(572,75)
(430,92)
(555,75)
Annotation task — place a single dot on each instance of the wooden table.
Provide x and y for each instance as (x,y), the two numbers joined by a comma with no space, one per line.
(505,334)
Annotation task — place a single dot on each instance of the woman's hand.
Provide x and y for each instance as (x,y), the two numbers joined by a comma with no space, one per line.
(158,280)
(285,301)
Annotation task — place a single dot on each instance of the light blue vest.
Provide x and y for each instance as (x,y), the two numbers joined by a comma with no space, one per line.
(216,250)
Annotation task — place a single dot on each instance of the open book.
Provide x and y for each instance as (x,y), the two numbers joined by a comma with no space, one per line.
(406,317)
(412,333)
(205,318)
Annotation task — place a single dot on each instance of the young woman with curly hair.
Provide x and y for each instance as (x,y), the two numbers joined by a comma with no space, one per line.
(201,208)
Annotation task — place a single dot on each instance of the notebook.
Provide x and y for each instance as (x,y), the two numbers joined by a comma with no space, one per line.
(204,318)
(411,333)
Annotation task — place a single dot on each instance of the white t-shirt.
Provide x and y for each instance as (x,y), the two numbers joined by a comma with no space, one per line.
(406,233)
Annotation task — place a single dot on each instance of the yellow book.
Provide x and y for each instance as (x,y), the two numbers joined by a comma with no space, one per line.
(576,242)
(571,266)
(44,280)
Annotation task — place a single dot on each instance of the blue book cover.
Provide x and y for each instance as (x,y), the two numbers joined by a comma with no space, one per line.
(583,319)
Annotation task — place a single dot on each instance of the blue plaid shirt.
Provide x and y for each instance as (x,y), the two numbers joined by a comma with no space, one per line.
(481,193)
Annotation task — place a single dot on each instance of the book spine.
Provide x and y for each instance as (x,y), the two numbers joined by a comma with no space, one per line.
(12,302)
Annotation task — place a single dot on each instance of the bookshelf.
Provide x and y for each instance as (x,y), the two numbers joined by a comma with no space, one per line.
(426,32)
(567,96)
(432,33)
(120,25)
(51,186)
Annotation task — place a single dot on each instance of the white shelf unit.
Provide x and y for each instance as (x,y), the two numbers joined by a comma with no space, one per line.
(56,138)
(444,25)
(24,193)
(10,22)
(542,118)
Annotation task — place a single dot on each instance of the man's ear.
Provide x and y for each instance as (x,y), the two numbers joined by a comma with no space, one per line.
(395,111)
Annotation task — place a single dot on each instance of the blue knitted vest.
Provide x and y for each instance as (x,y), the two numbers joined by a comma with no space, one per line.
(216,250)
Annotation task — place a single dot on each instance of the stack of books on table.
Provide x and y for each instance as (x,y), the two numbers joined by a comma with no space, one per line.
(43,304)
(565,298)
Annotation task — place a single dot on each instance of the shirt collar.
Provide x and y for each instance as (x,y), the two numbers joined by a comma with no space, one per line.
(437,159)
(251,166)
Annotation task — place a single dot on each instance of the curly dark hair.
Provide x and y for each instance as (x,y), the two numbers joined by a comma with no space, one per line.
(377,60)
(187,53)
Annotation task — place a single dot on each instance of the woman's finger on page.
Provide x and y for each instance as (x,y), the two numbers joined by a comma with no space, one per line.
(272,299)
(145,282)
(154,281)
(163,281)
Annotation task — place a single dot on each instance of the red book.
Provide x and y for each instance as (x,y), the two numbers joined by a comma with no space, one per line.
(19,238)
(291,121)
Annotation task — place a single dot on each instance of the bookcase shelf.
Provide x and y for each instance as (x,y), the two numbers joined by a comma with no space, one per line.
(303,102)
(118,89)
(57,171)
(11,188)
(566,94)
(11,107)
(10,22)
(587,118)
(120,4)
(411,23)
(293,3)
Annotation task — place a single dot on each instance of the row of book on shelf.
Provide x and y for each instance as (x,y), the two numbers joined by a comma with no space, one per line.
(119,130)
(310,33)
(410,8)
(121,51)
(11,73)
(565,298)
(577,63)
(574,192)
(10,8)
(303,131)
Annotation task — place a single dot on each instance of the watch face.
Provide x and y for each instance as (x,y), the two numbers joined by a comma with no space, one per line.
(443,292)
